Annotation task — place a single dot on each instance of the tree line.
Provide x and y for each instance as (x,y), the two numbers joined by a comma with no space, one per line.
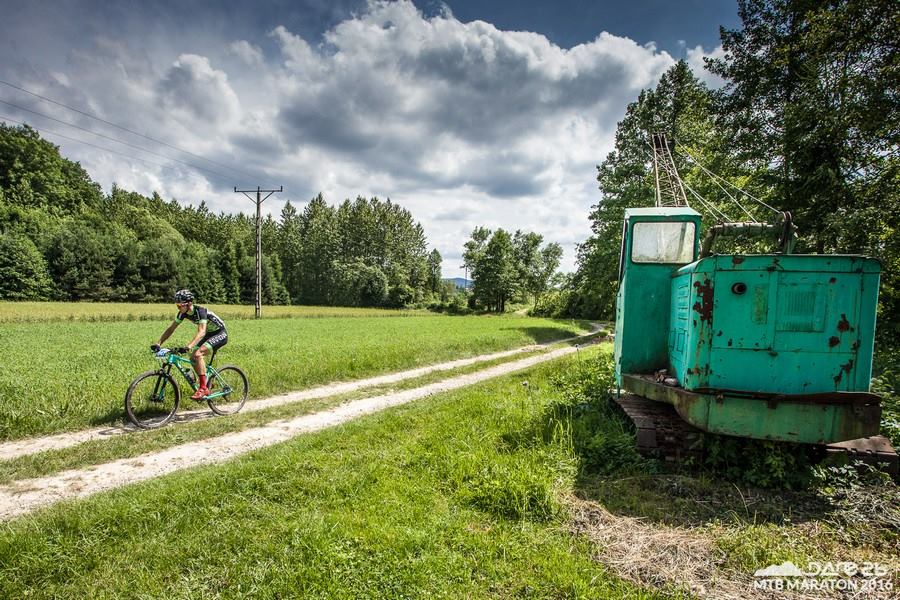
(508,267)
(808,120)
(62,238)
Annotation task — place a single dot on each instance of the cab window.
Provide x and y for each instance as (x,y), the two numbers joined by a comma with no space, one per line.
(667,242)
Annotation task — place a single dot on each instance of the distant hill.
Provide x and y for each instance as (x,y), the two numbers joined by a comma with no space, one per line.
(460,282)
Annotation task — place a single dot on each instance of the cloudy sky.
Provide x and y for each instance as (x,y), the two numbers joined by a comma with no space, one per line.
(466,112)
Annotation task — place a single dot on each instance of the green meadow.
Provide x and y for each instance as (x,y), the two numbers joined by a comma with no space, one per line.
(441,498)
(72,372)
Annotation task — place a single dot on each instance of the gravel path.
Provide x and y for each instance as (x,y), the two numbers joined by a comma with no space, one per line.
(24,447)
(21,497)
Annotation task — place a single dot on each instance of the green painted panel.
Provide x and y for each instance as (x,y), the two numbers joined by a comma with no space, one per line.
(644,297)
(781,324)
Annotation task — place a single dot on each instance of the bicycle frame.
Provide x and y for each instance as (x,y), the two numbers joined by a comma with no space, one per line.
(169,359)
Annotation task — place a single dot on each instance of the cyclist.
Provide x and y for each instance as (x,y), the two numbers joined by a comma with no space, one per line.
(211,335)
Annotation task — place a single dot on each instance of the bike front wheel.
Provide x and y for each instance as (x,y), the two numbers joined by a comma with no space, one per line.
(228,390)
(152,399)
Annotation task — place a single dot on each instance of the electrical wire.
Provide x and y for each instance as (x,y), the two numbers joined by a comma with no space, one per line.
(719,185)
(65,137)
(131,131)
(106,137)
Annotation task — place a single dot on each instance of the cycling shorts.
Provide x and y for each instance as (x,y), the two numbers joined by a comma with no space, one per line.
(214,340)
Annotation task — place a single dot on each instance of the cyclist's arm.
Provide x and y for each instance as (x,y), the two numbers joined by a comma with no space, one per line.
(169,331)
(201,331)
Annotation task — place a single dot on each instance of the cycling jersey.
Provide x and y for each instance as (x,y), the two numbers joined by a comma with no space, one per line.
(200,315)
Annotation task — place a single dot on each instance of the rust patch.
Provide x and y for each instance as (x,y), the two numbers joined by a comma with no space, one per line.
(833,341)
(845,368)
(855,346)
(729,343)
(704,307)
(832,280)
(719,334)
(736,260)
(776,264)
(843,325)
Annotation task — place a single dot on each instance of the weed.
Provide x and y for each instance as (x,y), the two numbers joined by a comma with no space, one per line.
(586,419)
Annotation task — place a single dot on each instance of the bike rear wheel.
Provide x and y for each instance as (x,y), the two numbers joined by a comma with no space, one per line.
(152,399)
(228,390)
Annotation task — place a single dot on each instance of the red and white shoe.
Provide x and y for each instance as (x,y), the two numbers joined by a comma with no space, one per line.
(200,394)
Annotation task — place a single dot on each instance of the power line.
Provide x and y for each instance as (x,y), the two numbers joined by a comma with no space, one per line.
(106,137)
(131,131)
(49,132)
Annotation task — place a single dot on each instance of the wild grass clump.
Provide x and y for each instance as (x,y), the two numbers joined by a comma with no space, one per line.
(585,414)
(759,463)
(511,488)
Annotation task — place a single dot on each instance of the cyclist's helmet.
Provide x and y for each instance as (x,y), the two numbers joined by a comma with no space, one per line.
(184,296)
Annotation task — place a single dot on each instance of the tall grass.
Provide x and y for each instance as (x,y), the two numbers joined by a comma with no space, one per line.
(68,375)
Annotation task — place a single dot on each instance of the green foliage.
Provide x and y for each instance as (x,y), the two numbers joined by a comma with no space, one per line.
(128,247)
(506,268)
(759,463)
(586,415)
(503,486)
(23,271)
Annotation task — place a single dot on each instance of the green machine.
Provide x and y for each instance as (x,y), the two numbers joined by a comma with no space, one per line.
(768,346)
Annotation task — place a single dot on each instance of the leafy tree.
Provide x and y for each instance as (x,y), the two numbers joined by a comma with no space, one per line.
(811,96)
(32,173)
(81,263)
(318,231)
(680,106)
(23,271)
(496,276)
(434,271)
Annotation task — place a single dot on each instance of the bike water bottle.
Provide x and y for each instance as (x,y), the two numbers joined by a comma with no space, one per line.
(190,377)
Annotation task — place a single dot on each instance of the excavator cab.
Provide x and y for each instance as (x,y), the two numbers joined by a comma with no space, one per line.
(656,242)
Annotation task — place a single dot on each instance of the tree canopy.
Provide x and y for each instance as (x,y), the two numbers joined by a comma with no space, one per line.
(62,238)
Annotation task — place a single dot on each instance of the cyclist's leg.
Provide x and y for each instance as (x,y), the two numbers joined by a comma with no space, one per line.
(208,347)
(199,355)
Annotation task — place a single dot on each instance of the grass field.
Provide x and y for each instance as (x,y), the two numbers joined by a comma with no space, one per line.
(38,312)
(428,500)
(67,375)
(473,493)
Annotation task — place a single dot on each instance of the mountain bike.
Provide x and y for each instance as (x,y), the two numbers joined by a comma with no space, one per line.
(153,397)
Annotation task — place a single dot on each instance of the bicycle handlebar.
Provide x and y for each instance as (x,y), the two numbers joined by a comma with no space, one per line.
(163,351)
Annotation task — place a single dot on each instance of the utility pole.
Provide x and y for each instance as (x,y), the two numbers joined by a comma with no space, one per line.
(259,200)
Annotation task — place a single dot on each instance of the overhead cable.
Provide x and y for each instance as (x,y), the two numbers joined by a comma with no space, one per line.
(714,176)
(144,160)
(112,139)
(123,128)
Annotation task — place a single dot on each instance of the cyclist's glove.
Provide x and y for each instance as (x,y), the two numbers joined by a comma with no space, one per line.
(183,350)
(154,347)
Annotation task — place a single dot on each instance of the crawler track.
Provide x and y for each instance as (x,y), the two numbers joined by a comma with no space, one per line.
(662,433)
